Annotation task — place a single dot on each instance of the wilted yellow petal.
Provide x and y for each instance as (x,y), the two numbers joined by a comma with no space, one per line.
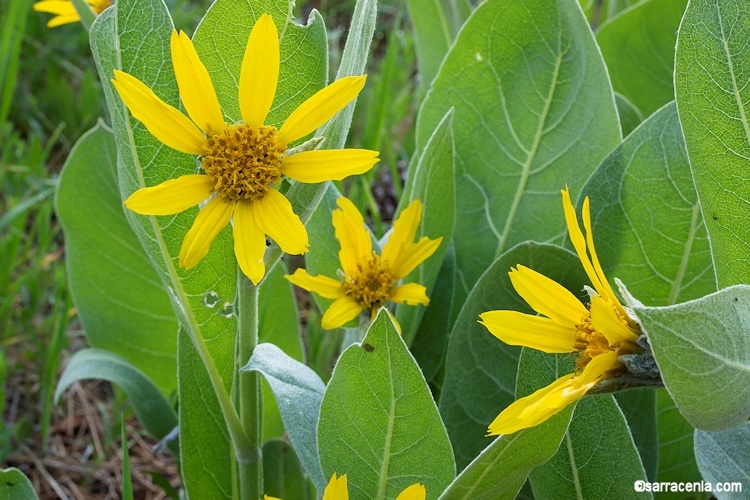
(350,230)
(343,310)
(276,218)
(164,122)
(543,334)
(321,107)
(196,90)
(414,492)
(170,197)
(404,230)
(410,293)
(548,297)
(336,489)
(414,255)
(260,72)
(322,285)
(249,242)
(328,165)
(605,321)
(209,223)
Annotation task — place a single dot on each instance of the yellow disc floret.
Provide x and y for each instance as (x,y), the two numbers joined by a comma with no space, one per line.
(373,285)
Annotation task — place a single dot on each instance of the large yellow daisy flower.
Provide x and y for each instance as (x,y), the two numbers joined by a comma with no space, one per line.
(599,333)
(65,12)
(370,280)
(337,489)
(241,162)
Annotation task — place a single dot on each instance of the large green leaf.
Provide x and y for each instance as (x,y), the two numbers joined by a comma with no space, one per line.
(638,47)
(534,111)
(630,116)
(480,370)
(283,476)
(711,75)
(598,11)
(723,458)
(120,299)
(378,422)
(15,485)
(703,352)
(639,408)
(646,216)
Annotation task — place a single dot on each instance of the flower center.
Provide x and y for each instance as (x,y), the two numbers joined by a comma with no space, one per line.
(244,162)
(590,343)
(373,286)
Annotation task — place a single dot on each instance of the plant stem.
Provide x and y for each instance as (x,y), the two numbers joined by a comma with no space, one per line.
(250,403)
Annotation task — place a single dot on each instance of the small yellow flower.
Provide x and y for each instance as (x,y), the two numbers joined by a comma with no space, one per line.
(337,489)
(65,12)
(370,280)
(599,334)
(241,162)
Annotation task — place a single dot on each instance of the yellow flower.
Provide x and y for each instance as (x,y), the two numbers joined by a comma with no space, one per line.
(337,489)
(599,334)
(241,162)
(65,12)
(369,280)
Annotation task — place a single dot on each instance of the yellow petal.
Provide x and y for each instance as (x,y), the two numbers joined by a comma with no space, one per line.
(547,401)
(249,242)
(604,319)
(404,230)
(343,310)
(260,72)
(328,165)
(164,122)
(276,218)
(172,196)
(350,230)
(60,20)
(515,328)
(410,293)
(321,107)
(322,285)
(547,296)
(579,242)
(209,222)
(266,497)
(414,255)
(336,489)
(196,90)
(414,492)
(60,7)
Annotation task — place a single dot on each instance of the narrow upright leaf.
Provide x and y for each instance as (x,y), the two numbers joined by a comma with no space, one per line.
(283,476)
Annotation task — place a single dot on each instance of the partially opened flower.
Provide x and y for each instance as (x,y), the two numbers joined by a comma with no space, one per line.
(65,12)
(599,334)
(337,489)
(369,280)
(242,162)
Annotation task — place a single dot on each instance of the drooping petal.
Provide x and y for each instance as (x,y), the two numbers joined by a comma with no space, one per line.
(196,90)
(350,230)
(414,492)
(249,242)
(276,218)
(321,107)
(410,293)
(579,242)
(604,319)
(209,223)
(164,122)
(172,196)
(343,310)
(548,297)
(547,401)
(322,285)
(336,489)
(260,72)
(414,255)
(516,328)
(60,20)
(321,165)
(404,230)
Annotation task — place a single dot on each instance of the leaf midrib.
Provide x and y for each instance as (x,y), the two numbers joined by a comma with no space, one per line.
(730,64)
(389,432)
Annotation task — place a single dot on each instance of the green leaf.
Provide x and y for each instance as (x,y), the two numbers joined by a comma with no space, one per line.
(14,484)
(501,469)
(534,111)
(710,84)
(646,216)
(480,370)
(723,458)
(299,392)
(127,482)
(433,185)
(701,348)
(85,12)
(122,303)
(598,11)
(630,116)
(676,457)
(639,408)
(638,47)
(152,409)
(378,422)
(283,476)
